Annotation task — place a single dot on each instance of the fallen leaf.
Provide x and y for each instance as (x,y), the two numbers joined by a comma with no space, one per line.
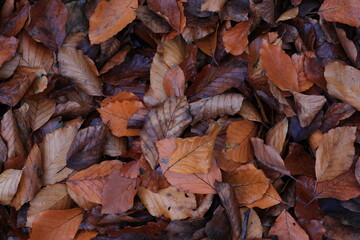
(16,21)
(269,157)
(249,112)
(115,60)
(270,198)
(7,49)
(166,121)
(238,146)
(336,230)
(54,159)
(228,200)
(276,136)
(52,197)
(335,153)
(287,228)
(174,82)
(267,10)
(347,44)
(9,67)
(87,235)
(279,68)
(109,18)
(117,115)
(168,202)
(173,51)
(250,184)
(314,228)
(40,111)
(86,148)
(30,182)
(235,40)
(341,11)
(114,146)
(306,207)
(342,187)
(335,113)
(219,226)
(9,181)
(151,20)
(90,182)
(299,162)
(56,224)
(47,25)
(342,82)
(80,200)
(208,44)
(289,14)
(80,69)
(219,105)
(213,5)
(307,106)
(254,227)
(193,183)
(303,80)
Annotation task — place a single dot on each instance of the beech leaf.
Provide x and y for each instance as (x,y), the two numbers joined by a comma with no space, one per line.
(9,181)
(341,11)
(40,111)
(276,136)
(7,49)
(235,40)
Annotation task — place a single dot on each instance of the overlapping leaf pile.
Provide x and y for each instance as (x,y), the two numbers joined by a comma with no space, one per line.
(179,119)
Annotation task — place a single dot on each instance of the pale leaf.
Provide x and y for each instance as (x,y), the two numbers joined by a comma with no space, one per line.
(40,111)
(276,136)
(9,181)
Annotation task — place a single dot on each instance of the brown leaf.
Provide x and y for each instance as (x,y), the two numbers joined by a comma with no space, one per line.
(115,60)
(235,40)
(151,20)
(307,106)
(54,159)
(342,82)
(40,111)
(342,187)
(303,80)
(9,67)
(56,224)
(270,198)
(9,181)
(80,200)
(16,21)
(213,5)
(236,10)
(87,235)
(86,147)
(7,49)
(167,121)
(267,10)
(219,105)
(249,183)
(218,80)
(35,54)
(287,228)
(13,90)
(194,183)
(335,113)
(119,191)
(208,44)
(30,182)
(313,228)
(357,171)
(335,154)
(109,18)
(269,157)
(168,202)
(276,136)
(16,153)
(174,82)
(238,147)
(299,162)
(289,14)
(347,44)
(90,182)
(341,11)
(172,11)
(47,25)
(306,207)
(229,202)
(254,227)
(50,197)
(336,230)
(249,112)
(279,68)
(219,226)
(114,146)
(80,69)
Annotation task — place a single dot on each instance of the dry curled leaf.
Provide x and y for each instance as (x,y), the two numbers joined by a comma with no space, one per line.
(219,105)
(342,11)
(287,228)
(166,121)
(335,153)
(343,82)
(56,224)
(109,18)
(90,182)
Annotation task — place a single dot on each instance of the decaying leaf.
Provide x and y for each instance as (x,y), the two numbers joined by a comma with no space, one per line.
(50,197)
(9,181)
(90,182)
(167,121)
(109,18)
(335,153)
(287,228)
(238,146)
(343,82)
(219,105)
(56,224)
(168,202)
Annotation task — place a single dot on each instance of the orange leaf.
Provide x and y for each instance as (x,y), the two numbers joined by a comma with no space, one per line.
(174,82)
(342,11)
(286,228)
(238,147)
(208,44)
(56,224)
(117,114)
(235,40)
(7,49)
(279,68)
(90,182)
(109,18)
(270,198)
